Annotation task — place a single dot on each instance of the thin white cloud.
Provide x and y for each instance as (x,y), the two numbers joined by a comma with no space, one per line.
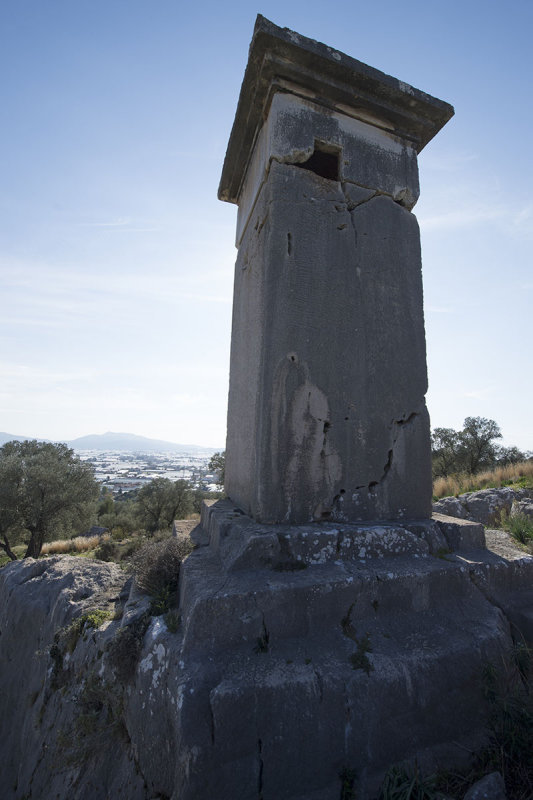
(446,162)
(32,376)
(123,225)
(40,294)
(462,218)
(34,322)
(116,223)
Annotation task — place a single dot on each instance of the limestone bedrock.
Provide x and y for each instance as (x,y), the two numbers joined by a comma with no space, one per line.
(327,417)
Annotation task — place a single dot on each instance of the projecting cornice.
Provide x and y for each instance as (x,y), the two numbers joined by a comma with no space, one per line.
(281,60)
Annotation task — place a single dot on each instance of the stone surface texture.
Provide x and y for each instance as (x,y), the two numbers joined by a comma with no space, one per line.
(282,60)
(326,415)
(351,652)
(522,507)
(42,733)
(491,787)
(486,505)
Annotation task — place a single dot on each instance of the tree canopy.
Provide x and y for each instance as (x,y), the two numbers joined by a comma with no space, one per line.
(217,463)
(472,449)
(162,501)
(43,487)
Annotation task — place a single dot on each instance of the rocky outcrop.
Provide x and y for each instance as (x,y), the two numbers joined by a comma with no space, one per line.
(101,700)
(522,507)
(62,708)
(491,787)
(486,506)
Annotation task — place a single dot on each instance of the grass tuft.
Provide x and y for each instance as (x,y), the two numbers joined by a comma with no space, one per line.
(508,691)
(77,545)
(407,783)
(519,526)
(518,476)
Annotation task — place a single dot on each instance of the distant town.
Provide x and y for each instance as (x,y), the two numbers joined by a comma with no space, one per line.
(121,471)
(126,461)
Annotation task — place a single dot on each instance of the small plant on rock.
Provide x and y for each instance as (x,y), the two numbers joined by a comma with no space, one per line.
(359,659)
(156,567)
(99,715)
(347,777)
(406,783)
(172,621)
(510,696)
(519,526)
(125,648)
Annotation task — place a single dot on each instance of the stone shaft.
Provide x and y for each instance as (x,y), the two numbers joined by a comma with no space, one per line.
(327,416)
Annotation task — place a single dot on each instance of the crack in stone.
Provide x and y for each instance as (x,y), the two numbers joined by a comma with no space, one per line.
(320,684)
(406,420)
(260,771)
(513,628)
(372,485)
(400,197)
(211,721)
(352,223)
(350,204)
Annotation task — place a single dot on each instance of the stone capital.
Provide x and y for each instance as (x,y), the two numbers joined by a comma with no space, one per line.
(283,61)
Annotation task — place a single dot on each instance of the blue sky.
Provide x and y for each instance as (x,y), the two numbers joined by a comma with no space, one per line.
(116,258)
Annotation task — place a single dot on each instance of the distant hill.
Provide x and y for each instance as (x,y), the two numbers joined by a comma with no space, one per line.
(9,437)
(119,441)
(130,441)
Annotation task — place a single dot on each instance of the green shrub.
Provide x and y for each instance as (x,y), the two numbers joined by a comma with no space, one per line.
(92,619)
(519,526)
(107,551)
(125,648)
(172,621)
(156,567)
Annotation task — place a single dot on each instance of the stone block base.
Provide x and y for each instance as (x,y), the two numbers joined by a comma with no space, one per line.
(308,652)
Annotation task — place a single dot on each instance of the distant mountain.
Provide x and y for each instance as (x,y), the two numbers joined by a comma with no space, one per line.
(119,441)
(130,441)
(9,437)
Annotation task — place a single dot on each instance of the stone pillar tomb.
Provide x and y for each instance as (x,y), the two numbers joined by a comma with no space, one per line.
(327,416)
(330,626)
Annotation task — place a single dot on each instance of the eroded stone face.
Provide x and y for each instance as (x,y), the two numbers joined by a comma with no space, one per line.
(370,159)
(327,418)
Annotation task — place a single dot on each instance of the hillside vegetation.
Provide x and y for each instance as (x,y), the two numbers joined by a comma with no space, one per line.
(519,476)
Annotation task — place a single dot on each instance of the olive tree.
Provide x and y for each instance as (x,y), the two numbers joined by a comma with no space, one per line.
(445,444)
(217,463)
(44,488)
(478,449)
(469,450)
(162,501)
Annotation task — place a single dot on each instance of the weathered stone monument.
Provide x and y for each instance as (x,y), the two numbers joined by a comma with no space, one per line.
(327,416)
(329,625)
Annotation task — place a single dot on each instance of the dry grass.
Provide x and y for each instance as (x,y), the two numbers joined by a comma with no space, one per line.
(521,473)
(78,545)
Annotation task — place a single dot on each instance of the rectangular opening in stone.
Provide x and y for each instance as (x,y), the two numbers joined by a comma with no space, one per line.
(324,161)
